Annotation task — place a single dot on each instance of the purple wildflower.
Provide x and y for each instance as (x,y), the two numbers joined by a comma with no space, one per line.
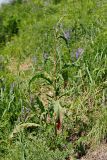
(34,59)
(79,52)
(24,114)
(67,35)
(12,86)
(45,56)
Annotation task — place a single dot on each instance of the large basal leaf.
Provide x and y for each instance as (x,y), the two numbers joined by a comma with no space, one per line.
(58,114)
(21,127)
(43,76)
(41,106)
(65,77)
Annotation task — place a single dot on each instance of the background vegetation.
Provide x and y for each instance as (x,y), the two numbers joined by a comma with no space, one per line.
(53,78)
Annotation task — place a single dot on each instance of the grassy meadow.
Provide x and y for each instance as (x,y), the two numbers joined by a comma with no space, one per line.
(53,78)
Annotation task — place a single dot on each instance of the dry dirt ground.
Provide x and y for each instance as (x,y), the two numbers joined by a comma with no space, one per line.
(99,154)
(15,66)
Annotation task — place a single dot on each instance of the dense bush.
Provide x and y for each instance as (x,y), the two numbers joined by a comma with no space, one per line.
(9,28)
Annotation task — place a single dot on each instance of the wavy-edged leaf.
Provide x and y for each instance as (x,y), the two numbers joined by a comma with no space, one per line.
(21,127)
(57,108)
(58,113)
(41,106)
(62,37)
(41,75)
(67,92)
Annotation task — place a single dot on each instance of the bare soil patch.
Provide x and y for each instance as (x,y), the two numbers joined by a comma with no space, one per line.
(15,66)
(98,154)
